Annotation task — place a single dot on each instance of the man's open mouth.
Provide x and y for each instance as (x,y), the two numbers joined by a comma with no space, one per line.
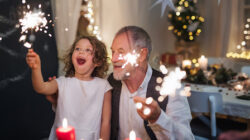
(81,61)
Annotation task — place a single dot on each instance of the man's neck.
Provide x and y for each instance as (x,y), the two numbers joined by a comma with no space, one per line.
(136,78)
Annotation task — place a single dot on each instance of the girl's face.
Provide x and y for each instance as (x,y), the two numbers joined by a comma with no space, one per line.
(82,59)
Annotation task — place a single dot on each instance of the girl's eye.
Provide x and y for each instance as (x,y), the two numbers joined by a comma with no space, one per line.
(89,50)
(77,49)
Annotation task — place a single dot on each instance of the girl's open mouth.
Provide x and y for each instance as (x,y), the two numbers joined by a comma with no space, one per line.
(81,61)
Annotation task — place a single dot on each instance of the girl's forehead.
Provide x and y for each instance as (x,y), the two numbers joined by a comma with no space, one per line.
(84,43)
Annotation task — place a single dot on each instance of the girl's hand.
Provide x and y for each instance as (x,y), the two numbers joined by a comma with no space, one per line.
(33,60)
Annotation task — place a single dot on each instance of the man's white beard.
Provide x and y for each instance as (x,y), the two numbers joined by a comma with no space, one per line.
(120,75)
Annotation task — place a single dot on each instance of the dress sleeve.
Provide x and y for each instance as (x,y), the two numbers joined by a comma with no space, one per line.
(107,86)
(60,81)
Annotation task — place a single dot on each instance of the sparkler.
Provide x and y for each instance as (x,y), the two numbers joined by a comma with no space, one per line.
(170,83)
(32,21)
(130,58)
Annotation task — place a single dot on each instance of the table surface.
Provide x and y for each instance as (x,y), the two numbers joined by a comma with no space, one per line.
(231,105)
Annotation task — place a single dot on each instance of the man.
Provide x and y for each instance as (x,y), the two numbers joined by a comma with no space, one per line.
(169,119)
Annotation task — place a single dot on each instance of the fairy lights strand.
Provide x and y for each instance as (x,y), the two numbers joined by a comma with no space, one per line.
(241,49)
(92,28)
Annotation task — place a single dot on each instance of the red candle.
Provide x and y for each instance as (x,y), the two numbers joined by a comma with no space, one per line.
(65,132)
(132,136)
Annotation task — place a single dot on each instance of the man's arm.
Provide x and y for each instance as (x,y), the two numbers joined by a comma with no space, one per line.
(172,124)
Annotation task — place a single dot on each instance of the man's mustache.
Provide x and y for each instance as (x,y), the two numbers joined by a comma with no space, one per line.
(117,64)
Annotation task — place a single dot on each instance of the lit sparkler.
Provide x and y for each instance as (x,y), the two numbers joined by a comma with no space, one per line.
(171,83)
(32,21)
(130,58)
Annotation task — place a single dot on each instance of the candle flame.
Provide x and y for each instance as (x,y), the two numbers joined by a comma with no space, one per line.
(65,123)
(132,135)
(238,87)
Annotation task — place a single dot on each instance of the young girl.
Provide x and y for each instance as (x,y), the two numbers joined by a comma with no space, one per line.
(84,99)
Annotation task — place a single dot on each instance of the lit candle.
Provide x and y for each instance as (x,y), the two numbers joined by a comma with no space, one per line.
(132,136)
(203,62)
(65,132)
(186,63)
(238,87)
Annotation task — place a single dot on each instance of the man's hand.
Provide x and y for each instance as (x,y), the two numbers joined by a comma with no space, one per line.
(52,98)
(155,109)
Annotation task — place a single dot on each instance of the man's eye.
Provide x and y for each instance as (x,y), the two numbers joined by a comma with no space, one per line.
(121,51)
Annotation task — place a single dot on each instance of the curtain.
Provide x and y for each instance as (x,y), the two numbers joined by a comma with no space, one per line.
(66,14)
(116,14)
(221,28)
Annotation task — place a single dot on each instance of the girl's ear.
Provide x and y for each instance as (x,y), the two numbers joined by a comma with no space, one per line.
(98,64)
(143,55)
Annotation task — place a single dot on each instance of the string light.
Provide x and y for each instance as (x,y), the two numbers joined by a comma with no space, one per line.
(243,43)
(184,26)
(242,51)
(178,13)
(170,28)
(186,4)
(193,17)
(238,47)
(92,28)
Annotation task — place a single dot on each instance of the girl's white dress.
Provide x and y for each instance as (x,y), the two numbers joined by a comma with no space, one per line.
(80,102)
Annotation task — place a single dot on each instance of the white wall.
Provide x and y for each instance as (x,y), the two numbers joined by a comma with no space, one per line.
(115,14)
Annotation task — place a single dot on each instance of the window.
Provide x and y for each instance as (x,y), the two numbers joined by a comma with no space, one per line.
(245,20)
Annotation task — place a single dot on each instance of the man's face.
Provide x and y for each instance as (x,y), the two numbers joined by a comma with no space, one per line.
(120,47)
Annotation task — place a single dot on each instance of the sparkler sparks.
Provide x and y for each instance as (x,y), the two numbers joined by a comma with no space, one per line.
(138,105)
(27,45)
(146,111)
(130,58)
(149,100)
(33,20)
(171,83)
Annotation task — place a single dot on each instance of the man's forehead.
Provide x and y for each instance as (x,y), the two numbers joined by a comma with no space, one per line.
(121,42)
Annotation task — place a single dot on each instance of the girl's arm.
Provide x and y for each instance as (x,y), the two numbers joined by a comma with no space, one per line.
(46,88)
(106,116)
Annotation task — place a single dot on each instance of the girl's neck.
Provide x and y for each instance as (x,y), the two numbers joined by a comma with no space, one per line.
(83,77)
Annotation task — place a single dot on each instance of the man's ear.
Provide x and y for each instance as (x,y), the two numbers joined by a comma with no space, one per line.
(143,54)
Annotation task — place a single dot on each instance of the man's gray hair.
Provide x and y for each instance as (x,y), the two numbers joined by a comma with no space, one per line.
(139,36)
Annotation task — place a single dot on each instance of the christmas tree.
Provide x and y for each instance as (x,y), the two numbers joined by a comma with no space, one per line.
(186,22)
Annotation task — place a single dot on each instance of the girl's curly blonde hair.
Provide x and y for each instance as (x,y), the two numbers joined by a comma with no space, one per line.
(100,58)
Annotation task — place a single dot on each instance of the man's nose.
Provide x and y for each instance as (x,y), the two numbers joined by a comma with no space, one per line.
(115,57)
